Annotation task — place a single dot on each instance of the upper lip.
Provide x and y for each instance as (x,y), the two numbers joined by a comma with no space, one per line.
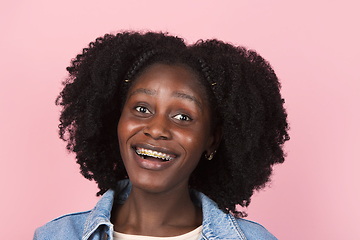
(156,148)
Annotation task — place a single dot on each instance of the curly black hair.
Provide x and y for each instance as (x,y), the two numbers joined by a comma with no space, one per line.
(241,86)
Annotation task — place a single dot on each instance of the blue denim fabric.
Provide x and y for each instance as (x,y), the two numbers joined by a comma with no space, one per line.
(96,225)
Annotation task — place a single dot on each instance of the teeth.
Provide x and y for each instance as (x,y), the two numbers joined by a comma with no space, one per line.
(154,154)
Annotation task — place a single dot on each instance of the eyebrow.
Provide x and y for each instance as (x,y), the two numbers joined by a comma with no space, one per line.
(143,90)
(187,96)
(181,95)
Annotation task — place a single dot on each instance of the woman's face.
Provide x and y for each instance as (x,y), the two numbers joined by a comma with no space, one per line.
(164,128)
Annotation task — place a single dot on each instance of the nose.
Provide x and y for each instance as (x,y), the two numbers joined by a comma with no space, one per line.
(158,128)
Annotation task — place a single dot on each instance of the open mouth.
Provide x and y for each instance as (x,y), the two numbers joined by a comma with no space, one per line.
(146,153)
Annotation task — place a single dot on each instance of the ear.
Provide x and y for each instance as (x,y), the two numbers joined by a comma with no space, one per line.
(214,140)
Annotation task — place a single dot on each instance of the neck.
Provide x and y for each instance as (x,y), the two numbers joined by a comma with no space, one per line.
(157,214)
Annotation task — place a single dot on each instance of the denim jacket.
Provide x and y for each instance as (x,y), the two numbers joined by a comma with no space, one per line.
(96,225)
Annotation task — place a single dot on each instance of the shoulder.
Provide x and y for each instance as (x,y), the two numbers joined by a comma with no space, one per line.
(253,230)
(77,225)
(69,226)
(220,225)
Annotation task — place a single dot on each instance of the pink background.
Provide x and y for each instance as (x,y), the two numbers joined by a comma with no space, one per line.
(313,46)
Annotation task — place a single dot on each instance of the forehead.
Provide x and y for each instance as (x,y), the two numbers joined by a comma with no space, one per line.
(178,78)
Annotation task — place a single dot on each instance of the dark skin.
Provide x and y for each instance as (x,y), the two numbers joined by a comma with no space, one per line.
(166,111)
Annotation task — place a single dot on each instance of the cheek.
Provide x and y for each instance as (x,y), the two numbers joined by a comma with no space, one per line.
(126,128)
(195,140)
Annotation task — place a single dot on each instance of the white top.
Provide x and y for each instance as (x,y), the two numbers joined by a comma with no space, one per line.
(193,235)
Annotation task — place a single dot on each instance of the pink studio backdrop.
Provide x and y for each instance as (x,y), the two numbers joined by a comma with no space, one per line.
(313,46)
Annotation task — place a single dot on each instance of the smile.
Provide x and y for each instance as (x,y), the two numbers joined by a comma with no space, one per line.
(142,152)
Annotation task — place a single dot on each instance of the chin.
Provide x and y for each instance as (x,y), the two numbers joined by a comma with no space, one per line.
(153,183)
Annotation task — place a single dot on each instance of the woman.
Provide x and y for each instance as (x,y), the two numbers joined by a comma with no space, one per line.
(174,135)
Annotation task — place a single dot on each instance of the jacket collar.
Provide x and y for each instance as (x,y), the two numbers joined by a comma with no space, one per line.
(216,224)
(100,215)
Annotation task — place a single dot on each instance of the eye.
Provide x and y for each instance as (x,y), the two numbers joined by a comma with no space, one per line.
(182,117)
(142,109)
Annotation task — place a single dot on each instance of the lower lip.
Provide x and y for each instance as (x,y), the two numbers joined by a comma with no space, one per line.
(152,164)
